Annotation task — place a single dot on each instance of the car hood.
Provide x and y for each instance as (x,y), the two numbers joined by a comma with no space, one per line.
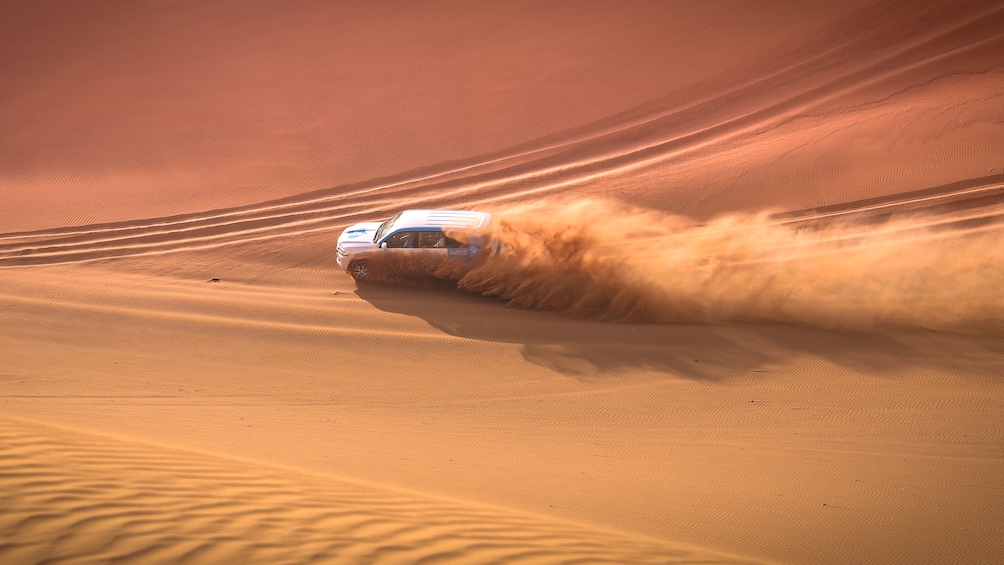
(359,235)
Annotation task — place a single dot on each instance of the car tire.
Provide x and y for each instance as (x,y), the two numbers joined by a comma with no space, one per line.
(361,270)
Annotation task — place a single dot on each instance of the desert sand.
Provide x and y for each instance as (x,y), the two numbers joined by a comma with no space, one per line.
(749,308)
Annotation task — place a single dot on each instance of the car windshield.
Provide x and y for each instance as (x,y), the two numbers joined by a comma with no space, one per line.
(384,227)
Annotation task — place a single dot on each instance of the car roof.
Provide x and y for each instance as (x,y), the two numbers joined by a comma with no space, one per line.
(441,219)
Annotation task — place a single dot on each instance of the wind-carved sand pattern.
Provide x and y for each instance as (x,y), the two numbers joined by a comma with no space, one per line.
(70,497)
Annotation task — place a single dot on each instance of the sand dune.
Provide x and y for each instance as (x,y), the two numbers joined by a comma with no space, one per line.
(749,307)
(124,502)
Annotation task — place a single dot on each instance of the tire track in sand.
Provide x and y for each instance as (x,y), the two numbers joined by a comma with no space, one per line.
(978,201)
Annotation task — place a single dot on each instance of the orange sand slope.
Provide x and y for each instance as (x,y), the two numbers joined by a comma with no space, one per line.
(897,96)
(794,213)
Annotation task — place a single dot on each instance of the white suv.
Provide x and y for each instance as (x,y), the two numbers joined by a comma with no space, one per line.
(461,235)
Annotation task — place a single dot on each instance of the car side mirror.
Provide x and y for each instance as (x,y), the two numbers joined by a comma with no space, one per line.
(383,245)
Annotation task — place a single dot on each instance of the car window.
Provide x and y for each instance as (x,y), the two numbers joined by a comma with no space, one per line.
(455,240)
(401,239)
(431,239)
(385,226)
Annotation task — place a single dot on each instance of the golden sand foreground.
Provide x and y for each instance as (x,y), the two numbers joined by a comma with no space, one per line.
(750,311)
(123,502)
(772,441)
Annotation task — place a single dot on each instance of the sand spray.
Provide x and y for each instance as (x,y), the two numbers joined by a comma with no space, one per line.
(609,261)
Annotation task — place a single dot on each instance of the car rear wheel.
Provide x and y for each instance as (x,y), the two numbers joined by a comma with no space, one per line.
(362,271)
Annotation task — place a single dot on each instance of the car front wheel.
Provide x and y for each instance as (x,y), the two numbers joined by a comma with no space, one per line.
(361,271)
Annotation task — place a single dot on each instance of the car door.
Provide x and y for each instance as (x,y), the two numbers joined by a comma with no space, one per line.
(460,245)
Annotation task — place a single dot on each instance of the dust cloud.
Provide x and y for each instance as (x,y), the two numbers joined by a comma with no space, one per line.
(607,261)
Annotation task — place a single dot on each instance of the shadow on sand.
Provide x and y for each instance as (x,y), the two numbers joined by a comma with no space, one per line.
(594,351)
